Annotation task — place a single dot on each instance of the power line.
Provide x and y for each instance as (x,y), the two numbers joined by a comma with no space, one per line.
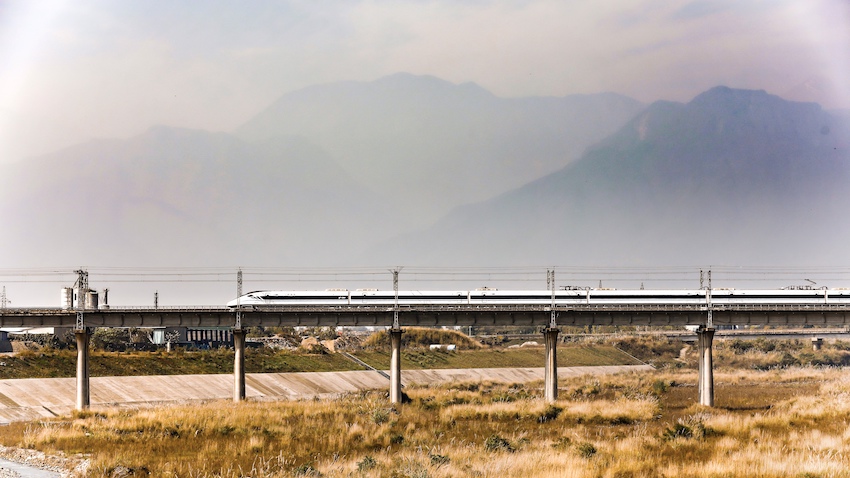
(566,274)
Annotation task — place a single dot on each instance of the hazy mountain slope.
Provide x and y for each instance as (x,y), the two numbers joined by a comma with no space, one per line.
(431,145)
(733,177)
(180,197)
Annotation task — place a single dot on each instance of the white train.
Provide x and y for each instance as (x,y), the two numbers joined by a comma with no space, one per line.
(718,297)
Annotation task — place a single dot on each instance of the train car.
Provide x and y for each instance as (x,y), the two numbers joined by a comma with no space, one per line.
(292,298)
(646,297)
(769,297)
(602,297)
(525,297)
(371,297)
(413,297)
(364,297)
(837,296)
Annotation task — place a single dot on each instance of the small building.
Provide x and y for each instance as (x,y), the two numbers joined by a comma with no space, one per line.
(5,344)
(200,337)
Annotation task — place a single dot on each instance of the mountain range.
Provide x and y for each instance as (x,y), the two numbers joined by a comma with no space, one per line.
(429,145)
(732,177)
(182,197)
(415,170)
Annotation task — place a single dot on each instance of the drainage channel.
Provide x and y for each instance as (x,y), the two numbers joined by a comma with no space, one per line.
(11,469)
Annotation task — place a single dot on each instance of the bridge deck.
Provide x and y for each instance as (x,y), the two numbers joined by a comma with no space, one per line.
(433,315)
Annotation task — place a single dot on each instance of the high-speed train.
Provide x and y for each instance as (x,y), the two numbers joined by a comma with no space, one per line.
(696,297)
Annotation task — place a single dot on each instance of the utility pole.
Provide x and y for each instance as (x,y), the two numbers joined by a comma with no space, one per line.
(82,337)
(552,317)
(238,345)
(238,298)
(550,335)
(156,299)
(82,287)
(709,324)
(395,289)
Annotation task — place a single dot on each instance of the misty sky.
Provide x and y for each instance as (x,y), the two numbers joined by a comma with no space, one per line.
(75,70)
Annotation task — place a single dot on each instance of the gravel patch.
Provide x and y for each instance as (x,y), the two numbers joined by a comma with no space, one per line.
(7,472)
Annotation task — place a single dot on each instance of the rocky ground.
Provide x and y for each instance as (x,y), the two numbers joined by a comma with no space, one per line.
(36,464)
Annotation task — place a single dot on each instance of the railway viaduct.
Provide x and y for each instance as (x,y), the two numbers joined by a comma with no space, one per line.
(550,317)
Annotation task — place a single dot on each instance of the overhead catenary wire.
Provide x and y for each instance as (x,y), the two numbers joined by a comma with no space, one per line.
(425,275)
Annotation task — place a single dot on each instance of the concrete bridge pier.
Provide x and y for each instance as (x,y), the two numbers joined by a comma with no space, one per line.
(238,365)
(395,366)
(83,392)
(550,379)
(706,367)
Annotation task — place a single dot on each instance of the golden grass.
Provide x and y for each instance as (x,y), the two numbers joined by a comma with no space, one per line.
(618,411)
(797,424)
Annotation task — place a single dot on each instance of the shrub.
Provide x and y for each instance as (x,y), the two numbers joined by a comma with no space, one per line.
(590,389)
(322,333)
(497,443)
(366,464)
(465,387)
(411,469)
(841,345)
(679,430)
(586,449)
(306,470)
(740,346)
(551,412)
(808,358)
(659,387)
(764,345)
(420,337)
(788,360)
(110,339)
(563,443)
(380,415)
(688,427)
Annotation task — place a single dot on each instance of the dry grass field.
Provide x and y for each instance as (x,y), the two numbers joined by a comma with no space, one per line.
(779,423)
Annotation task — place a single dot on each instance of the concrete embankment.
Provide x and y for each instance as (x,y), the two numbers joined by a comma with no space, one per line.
(35,398)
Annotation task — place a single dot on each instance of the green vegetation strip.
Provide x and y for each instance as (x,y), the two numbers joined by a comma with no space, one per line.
(62,363)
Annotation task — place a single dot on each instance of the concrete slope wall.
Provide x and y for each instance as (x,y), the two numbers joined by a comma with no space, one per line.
(35,398)
(507,375)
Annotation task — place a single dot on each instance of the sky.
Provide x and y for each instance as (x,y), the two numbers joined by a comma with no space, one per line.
(72,71)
